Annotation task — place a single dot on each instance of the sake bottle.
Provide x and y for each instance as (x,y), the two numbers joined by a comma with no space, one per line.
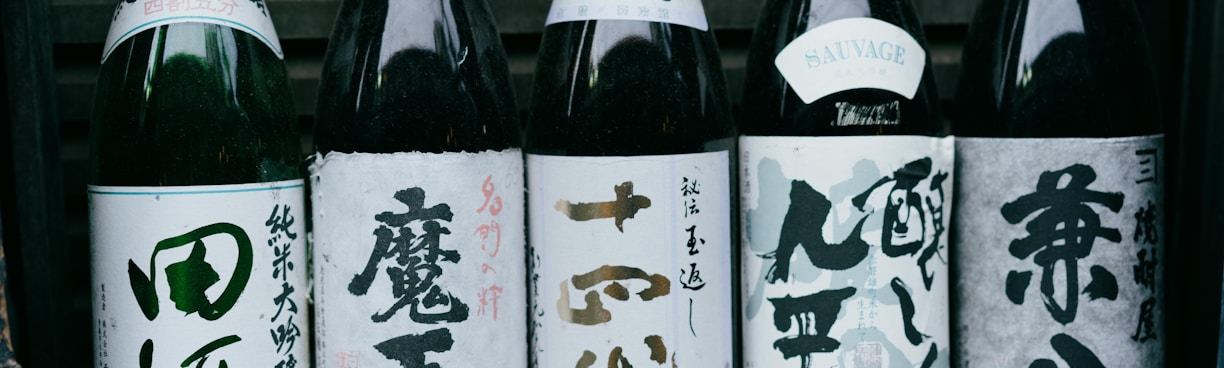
(629,148)
(1059,189)
(417,191)
(846,189)
(196,201)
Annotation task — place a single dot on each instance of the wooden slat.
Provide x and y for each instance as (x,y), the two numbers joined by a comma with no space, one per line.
(1192,251)
(945,12)
(86,21)
(43,325)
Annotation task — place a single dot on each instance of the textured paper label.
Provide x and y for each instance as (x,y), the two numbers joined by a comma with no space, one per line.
(688,13)
(184,275)
(135,16)
(845,250)
(851,54)
(631,261)
(419,259)
(1058,245)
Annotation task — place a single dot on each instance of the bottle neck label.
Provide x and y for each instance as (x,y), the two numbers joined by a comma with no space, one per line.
(870,217)
(187,274)
(631,260)
(419,255)
(688,13)
(853,53)
(135,16)
(1059,242)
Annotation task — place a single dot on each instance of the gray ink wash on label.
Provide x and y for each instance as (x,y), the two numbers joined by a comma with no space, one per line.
(135,16)
(845,251)
(418,259)
(1059,245)
(631,260)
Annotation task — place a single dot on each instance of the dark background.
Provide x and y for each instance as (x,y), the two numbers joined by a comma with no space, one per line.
(50,60)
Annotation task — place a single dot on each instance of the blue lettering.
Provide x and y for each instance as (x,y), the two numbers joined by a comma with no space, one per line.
(813,59)
(871,51)
(886,51)
(858,47)
(863,49)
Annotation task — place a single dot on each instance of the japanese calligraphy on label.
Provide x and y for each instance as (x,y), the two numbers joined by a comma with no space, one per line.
(850,54)
(688,13)
(631,260)
(1059,244)
(135,16)
(201,276)
(845,251)
(419,260)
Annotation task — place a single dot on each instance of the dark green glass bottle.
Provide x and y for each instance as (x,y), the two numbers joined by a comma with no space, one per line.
(1060,189)
(193,104)
(844,154)
(417,191)
(630,144)
(196,198)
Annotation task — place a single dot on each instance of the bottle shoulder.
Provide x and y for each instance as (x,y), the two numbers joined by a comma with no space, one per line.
(821,68)
(1065,70)
(616,87)
(416,76)
(193,104)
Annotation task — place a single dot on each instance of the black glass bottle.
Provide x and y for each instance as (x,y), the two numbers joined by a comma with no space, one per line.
(1063,71)
(845,158)
(1060,189)
(417,190)
(630,145)
(772,108)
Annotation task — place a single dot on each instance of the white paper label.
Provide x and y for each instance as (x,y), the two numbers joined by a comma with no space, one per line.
(853,53)
(454,222)
(688,13)
(135,16)
(845,251)
(1059,246)
(631,259)
(188,274)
